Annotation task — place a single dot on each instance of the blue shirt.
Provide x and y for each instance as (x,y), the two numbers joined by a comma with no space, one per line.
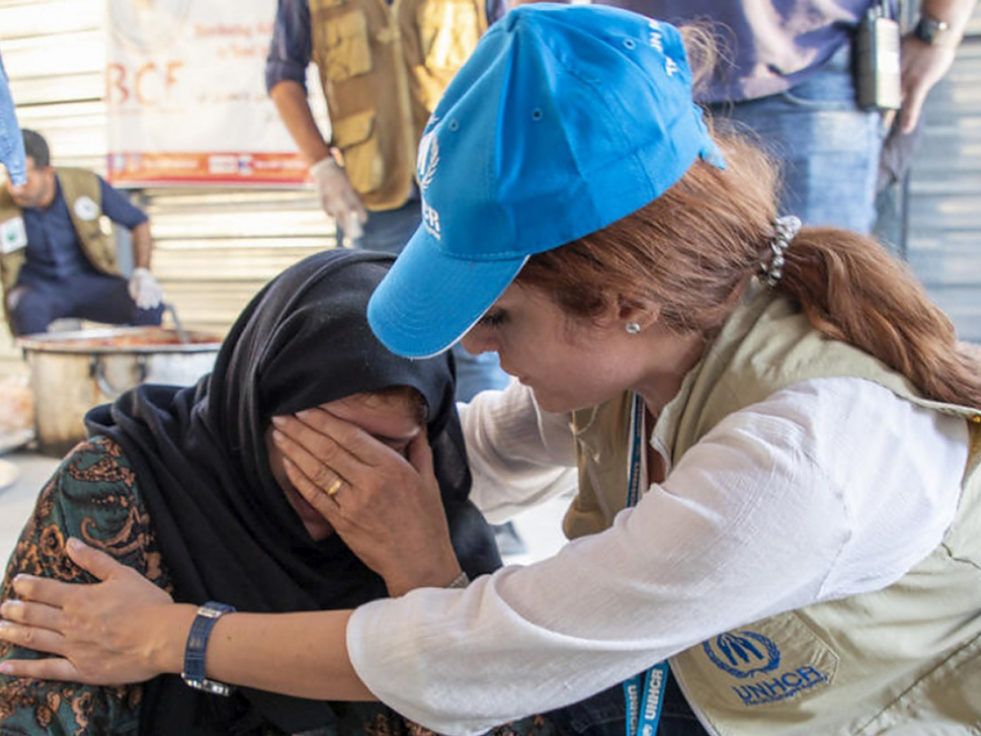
(11,140)
(291,47)
(772,45)
(53,248)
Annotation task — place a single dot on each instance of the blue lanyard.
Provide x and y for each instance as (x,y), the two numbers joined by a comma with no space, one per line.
(643,713)
(644,692)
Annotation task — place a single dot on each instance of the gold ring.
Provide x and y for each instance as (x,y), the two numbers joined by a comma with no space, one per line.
(334,487)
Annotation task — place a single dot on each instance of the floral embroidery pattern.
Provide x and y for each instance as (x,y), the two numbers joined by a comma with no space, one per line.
(93,495)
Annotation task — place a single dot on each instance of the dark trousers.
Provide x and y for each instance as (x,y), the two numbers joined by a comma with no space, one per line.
(33,303)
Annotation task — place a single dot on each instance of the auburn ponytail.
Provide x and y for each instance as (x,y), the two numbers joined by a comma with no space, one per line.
(693,250)
(852,289)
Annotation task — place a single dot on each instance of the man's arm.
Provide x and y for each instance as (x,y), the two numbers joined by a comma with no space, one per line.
(924,64)
(291,102)
(142,245)
(337,196)
(143,286)
(290,51)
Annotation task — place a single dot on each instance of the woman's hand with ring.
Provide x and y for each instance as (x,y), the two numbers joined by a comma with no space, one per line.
(386,506)
(334,487)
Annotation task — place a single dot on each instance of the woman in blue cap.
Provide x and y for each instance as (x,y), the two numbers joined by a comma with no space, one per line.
(777,438)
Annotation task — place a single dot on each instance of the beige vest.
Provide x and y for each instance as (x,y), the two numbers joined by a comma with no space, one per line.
(92,227)
(900,661)
(383,69)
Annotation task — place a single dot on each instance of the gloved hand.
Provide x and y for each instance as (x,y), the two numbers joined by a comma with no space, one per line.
(144,289)
(338,197)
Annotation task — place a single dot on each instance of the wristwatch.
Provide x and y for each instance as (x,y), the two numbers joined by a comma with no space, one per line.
(932,31)
(197,644)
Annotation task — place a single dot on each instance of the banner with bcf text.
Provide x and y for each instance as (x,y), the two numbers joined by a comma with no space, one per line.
(186,95)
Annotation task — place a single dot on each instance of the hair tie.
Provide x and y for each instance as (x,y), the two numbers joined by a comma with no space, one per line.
(786,228)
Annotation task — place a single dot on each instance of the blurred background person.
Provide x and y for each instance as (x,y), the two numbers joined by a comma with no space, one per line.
(382,68)
(786,73)
(59,255)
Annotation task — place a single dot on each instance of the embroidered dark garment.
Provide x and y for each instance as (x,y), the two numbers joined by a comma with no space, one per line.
(92,496)
(95,497)
(220,522)
(223,523)
(176,484)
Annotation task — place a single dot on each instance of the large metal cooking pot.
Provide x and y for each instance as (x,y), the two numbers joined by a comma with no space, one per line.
(73,371)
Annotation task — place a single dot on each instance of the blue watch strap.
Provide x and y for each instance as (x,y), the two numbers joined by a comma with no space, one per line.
(197,645)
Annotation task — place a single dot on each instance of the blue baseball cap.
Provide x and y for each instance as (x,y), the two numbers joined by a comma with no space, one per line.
(565,119)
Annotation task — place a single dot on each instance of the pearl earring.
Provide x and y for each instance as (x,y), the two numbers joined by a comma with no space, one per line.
(632,328)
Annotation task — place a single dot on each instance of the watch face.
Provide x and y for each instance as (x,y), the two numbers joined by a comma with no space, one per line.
(208,686)
(930,30)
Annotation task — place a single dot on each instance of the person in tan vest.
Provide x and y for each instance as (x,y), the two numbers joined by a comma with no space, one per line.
(58,255)
(775,438)
(382,67)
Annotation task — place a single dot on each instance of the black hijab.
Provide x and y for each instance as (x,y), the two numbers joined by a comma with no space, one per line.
(225,529)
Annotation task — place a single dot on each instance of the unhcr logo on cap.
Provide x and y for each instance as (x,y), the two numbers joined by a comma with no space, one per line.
(426,163)
(427,158)
(657,43)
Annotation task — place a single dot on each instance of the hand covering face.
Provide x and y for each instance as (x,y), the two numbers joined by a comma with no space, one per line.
(224,526)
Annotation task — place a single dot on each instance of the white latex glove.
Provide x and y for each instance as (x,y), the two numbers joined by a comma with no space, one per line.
(338,197)
(145,289)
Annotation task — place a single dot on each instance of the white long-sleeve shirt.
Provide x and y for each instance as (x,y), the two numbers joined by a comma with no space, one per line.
(828,488)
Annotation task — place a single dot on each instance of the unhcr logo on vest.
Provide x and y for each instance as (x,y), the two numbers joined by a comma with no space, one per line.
(754,658)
